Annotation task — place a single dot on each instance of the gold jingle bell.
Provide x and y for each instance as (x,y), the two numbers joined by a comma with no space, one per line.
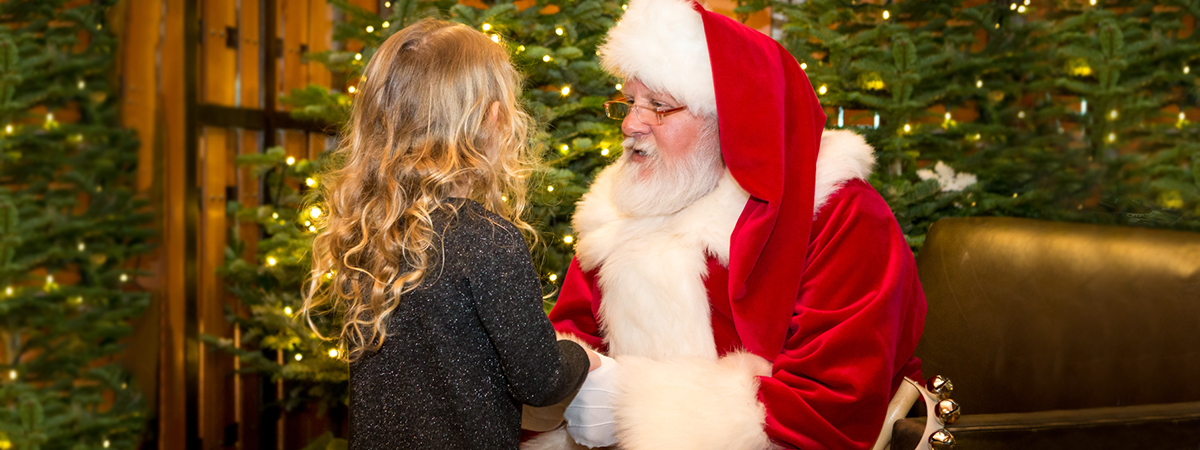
(940,386)
(941,440)
(948,410)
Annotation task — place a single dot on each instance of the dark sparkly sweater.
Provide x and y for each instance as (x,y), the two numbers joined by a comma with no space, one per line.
(465,349)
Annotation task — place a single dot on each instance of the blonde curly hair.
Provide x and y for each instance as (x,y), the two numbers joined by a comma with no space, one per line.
(436,116)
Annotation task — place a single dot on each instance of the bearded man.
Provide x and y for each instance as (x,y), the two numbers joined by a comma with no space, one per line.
(753,289)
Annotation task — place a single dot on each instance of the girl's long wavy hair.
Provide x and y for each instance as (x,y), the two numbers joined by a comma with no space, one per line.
(436,116)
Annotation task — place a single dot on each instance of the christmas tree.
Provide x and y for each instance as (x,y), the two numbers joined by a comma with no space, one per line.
(71,230)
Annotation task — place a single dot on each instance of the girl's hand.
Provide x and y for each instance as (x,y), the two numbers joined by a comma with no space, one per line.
(594,359)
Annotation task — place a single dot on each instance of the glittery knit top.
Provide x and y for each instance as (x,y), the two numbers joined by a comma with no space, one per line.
(465,349)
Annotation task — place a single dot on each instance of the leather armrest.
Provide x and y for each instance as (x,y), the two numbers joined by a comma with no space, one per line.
(1161,426)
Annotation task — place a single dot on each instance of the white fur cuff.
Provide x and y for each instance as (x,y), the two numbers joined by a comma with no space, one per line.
(691,403)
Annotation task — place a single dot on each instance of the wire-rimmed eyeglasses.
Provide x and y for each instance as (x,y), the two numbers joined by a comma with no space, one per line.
(618,109)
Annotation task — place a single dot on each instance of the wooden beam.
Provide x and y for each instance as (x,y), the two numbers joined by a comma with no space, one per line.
(172,399)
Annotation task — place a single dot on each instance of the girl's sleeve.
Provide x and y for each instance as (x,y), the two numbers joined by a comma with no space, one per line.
(540,369)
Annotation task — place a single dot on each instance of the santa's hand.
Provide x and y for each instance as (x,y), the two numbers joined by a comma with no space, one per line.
(590,415)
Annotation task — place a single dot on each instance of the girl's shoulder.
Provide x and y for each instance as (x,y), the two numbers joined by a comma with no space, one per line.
(472,221)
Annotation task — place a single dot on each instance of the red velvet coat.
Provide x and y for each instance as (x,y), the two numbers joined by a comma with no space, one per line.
(853,327)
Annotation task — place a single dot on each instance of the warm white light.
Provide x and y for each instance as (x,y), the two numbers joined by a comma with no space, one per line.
(50,117)
(553,277)
(1021,9)
(351,89)
(106,443)
(49,279)
(387,4)
(1112,114)
(1012,6)
(624,7)
(558,31)
(1186,70)
(886,15)
(604,151)
(358,56)
(271,261)
(1014,195)
(550,188)
(566,148)
(8,291)
(329,275)
(81,247)
(1182,116)
(568,239)
(803,66)
(1021,114)
(619,86)
(486,27)
(566,90)
(978,83)
(907,128)
(287,310)
(1093,2)
(1112,137)
(291,160)
(307,223)
(299,357)
(520,48)
(315,212)
(312,229)
(12,374)
(496,38)
(333,353)
(9,129)
(977,136)
(81,84)
(274,215)
(822,90)
(370,29)
(546,58)
(947,116)
(124,277)
(310,182)
(387,24)
(1026,2)
(504,198)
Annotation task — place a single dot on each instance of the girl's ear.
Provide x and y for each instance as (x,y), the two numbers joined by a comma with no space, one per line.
(494,113)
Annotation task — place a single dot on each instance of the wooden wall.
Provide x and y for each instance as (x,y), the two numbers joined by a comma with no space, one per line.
(179,57)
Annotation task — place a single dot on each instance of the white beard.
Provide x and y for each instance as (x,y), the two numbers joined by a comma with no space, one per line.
(668,187)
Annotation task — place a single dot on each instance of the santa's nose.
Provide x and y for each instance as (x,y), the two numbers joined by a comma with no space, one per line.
(633,127)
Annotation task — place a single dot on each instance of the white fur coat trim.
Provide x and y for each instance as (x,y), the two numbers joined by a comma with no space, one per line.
(683,403)
(662,43)
(652,269)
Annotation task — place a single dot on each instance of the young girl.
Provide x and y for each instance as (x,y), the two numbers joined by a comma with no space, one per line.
(422,254)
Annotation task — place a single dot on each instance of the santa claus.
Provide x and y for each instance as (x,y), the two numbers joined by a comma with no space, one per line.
(753,290)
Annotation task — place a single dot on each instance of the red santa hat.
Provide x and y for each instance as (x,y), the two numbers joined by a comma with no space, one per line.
(770,130)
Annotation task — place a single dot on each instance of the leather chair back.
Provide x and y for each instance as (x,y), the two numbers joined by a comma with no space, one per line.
(1027,315)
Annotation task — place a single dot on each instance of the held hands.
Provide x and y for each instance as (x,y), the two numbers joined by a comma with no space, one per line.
(590,415)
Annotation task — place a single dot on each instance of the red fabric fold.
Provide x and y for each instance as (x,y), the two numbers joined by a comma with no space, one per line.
(770,123)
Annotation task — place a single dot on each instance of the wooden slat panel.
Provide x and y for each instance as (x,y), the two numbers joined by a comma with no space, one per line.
(320,38)
(216,381)
(219,61)
(250,68)
(139,72)
(250,54)
(172,426)
(218,71)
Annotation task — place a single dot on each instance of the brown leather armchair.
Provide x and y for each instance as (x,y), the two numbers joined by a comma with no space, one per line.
(1064,336)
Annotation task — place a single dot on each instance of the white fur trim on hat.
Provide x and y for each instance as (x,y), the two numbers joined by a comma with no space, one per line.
(662,44)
